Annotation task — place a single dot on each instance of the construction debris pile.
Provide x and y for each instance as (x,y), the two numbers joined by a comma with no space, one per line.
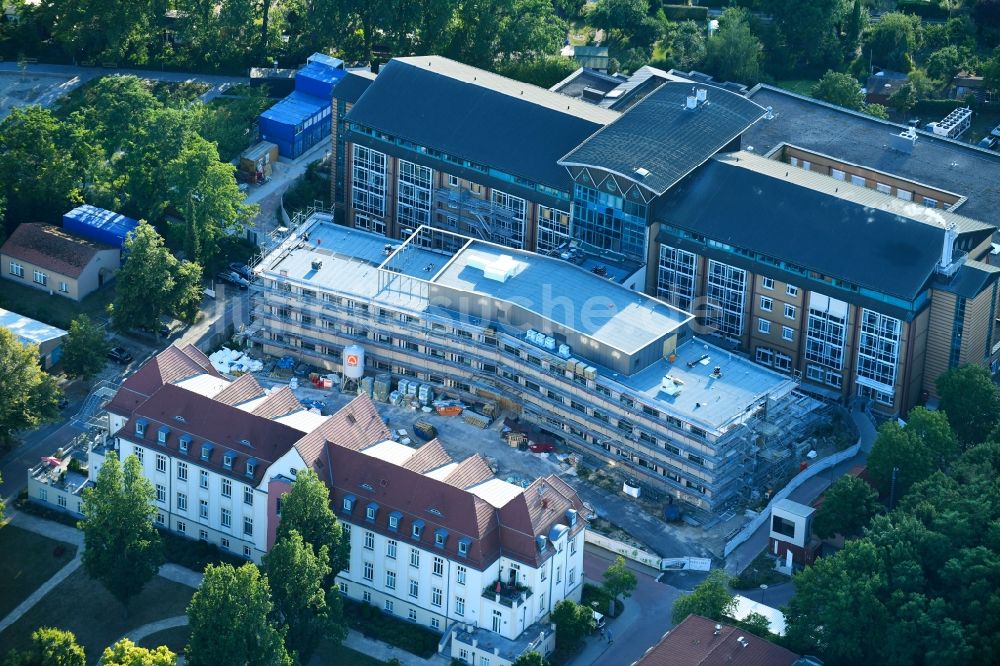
(232,362)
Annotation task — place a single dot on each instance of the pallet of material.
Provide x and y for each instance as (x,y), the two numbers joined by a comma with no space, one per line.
(477,420)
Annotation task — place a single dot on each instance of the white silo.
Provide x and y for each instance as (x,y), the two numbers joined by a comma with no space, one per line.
(354,362)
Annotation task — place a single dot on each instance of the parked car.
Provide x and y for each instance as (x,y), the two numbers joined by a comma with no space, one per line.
(232,277)
(120,355)
(542,448)
(161,330)
(241,269)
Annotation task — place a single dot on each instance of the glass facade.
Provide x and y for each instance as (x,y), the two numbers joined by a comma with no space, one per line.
(553,229)
(727,286)
(675,282)
(878,356)
(825,335)
(607,221)
(413,195)
(368,181)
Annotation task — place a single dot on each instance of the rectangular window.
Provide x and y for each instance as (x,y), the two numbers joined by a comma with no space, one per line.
(766,304)
(726,295)
(787,333)
(203,478)
(414,589)
(858,180)
(390,580)
(182,471)
(838,174)
(369,572)
(227,488)
(202,535)
(452,181)
(224,542)
(366,596)
(182,502)
(789,311)
(63,287)
(390,549)
(41,278)
(248,495)
(414,557)
(203,509)
(369,541)
(783,526)
(878,355)
(676,277)
(411,615)
(459,606)
(182,527)
(782,362)
(883,188)
(61,501)
(764,356)
(161,463)
(388,606)
(460,574)
(413,195)
(438,566)
(763,326)
(16,269)
(139,454)
(930,203)
(791,290)
(368,185)
(227,518)
(161,493)
(436,597)
(767,283)
(905,195)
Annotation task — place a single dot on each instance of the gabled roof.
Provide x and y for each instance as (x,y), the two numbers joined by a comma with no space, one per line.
(206,420)
(884,244)
(353,86)
(659,141)
(475,115)
(429,456)
(469,472)
(246,387)
(279,403)
(693,642)
(357,425)
(52,249)
(171,365)
(532,513)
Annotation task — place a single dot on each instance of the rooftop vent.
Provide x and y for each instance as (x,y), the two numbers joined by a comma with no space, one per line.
(702,95)
(718,629)
(743,641)
(692,102)
(642,172)
(317,264)
(499,269)
(904,141)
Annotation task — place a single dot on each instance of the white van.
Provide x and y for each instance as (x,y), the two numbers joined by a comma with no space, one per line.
(598,621)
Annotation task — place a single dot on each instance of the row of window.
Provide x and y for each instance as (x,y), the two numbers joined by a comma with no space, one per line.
(181,527)
(767,305)
(764,326)
(225,516)
(40,278)
(861,181)
(182,475)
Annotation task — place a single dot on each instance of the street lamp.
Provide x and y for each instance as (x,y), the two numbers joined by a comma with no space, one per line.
(763,589)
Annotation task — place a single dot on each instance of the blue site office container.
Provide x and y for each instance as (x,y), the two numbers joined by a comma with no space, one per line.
(296,123)
(318,79)
(97,224)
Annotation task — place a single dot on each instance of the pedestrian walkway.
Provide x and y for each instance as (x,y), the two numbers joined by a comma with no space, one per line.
(384,652)
(42,590)
(145,630)
(182,575)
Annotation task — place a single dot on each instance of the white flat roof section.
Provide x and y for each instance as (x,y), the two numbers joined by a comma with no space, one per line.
(442,472)
(794,508)
(745,606)
(206,384)
(497,492)
(27,330)
(302,420)
(390,451)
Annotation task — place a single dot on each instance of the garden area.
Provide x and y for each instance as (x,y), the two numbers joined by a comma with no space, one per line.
(55,310)
(28,560)
(593,594)
(376,624)
(759,572)
(81,605)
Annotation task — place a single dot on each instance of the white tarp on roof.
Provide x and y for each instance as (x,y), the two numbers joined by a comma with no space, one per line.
(745,606)
(229,361)
(27,330)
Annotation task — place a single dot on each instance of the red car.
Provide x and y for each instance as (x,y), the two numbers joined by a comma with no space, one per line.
(542,448)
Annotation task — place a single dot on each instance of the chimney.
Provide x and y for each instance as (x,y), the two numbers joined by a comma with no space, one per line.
(692,102)
(718,630)
(375,66)
(949,245)
(702,95)
(743,641)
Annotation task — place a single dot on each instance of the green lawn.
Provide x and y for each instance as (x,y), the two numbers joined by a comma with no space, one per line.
(54,310)
(27,561)
(81,605)
(175,639)
(329,653)
(800,86)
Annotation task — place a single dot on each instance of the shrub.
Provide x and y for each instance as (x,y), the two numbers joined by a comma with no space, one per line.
(373,623)
(195,555)
(684,13)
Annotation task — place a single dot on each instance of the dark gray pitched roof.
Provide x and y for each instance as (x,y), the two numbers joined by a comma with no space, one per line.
(662,136)
(970,280)
(352,86)
(877,249)
(860,139)
(478,116)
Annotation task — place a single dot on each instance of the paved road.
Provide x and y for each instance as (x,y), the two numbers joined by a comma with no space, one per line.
(643,622)
(806,493)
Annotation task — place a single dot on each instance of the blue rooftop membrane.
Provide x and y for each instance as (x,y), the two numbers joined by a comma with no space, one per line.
(295,108)
(98,224)
(318,79)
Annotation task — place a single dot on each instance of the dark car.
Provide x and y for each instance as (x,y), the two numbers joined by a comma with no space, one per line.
(242,270)
(232,277)
(120,355)
(161,330)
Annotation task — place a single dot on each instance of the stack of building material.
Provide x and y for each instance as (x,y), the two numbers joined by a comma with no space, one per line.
(477,420)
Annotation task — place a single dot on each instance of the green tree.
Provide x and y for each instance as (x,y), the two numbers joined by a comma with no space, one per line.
(734,52)
(85,348)
(572,621)
(127,653)
(943,64)
(904,99)
(619,579)
(687,46)
(530,659)
(840,89)
(297,574)
(877,110)
(306,510)
(893,40)
(28,396)
(123,550)
(809,29)
(848,506)
(757,624)
(37,175)
(853,28)
(896,448)
(2,505)
(972,402)
(991,72)
(104,29)
(230,618)
(186,297)
(623,19)
(711,598)
(55,647)
(934,432)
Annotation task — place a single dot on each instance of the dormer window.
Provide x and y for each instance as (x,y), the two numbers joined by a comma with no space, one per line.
(227,460)
(463,546)
(251,466)
(418,529)
(371,511)
(184,443)
(571,517)
(140,427)
(541,543)
(349,503)
(206,451)
(394,519)
(162,434)
(440,537)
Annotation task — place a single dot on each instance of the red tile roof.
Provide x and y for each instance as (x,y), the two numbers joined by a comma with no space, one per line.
(280,403)
(470,472)
(534,512)
(51,248)
(171,365)
(246,387)
(206,420)
(429,456)
(356,426)
(693,643)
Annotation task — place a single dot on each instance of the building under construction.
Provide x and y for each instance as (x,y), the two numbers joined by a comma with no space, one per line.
(612,373)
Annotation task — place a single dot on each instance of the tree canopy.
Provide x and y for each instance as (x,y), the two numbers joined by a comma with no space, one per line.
(573,621)
(972,402)
(28,396)
(530,659)
(619,579)
(893,40)
(231,620)
(840,89)
(85,349)
(123,550)
(306,510)
(734,52)
(711,598)
(925,444)
(127,653)
(848,506)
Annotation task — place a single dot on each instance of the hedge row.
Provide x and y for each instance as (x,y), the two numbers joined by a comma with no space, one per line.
(684,13)
(379,625)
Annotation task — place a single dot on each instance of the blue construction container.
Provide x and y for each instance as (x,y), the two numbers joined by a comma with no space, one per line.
(97,224)
(296,123)
(320,75)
